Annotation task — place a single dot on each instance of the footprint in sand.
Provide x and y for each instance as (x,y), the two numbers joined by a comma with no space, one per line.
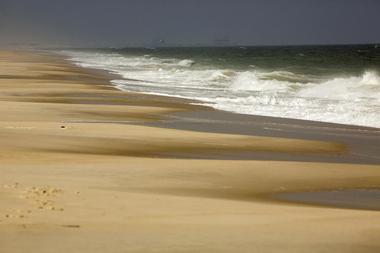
(16,214)
(44,197)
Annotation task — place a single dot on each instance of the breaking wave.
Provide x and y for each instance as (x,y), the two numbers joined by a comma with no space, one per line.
(353,99)
(366,86)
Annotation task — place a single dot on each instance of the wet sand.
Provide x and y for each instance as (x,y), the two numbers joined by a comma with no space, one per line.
(367,199)
(87,168)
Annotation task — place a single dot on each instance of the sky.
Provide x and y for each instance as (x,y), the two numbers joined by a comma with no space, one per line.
(117,23)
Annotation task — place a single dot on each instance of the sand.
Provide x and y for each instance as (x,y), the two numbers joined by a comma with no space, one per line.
(87,168)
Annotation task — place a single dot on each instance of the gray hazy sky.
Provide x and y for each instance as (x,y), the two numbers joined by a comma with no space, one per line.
(125,22)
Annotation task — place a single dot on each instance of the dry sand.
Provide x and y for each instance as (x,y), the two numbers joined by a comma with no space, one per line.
(81,171)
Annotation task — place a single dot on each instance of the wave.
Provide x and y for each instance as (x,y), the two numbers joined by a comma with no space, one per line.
(366,86)
(115,60)
(250,81)
(186,63)
(343,112)
(351,99)
(287,76)
(222,75)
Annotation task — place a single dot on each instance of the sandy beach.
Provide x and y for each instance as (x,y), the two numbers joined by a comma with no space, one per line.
(89,168)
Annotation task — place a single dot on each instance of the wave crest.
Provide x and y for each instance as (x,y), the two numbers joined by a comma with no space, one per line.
(286,76)
(186,63)
(355,87)
(250,81)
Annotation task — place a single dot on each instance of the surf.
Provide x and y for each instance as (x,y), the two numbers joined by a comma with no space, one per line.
(259,86)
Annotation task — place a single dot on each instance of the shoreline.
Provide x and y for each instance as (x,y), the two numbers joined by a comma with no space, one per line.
(194,102)
(200,117)
(117,73)
(88,168)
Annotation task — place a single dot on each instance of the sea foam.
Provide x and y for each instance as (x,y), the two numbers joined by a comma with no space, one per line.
(348,99)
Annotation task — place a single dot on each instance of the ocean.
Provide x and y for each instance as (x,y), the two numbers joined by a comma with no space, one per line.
(339,84)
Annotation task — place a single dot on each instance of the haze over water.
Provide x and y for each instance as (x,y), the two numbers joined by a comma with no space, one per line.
(339,84)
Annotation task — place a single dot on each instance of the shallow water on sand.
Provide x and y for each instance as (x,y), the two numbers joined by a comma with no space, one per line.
(368,199)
